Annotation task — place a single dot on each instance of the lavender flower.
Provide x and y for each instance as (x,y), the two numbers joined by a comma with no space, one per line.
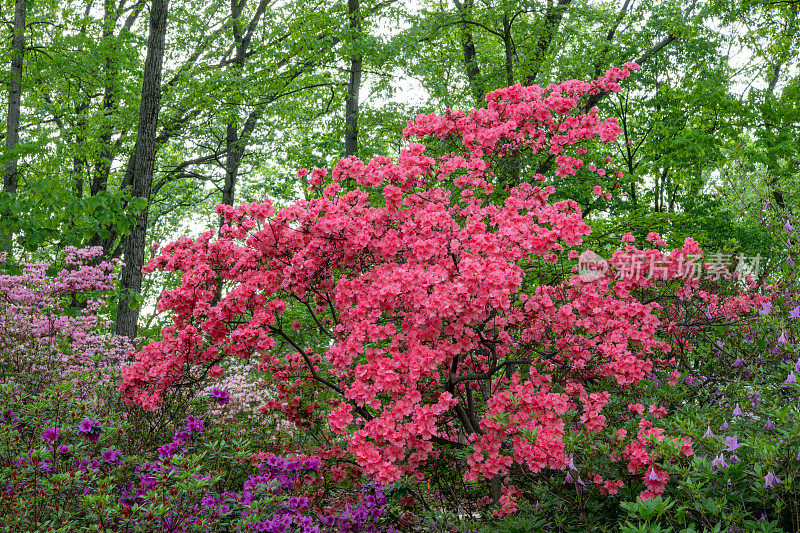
(769,426)
(754,397)
(766,307)
(708,434)
(732,443)
(568,478)
(724,427)
(719,462)
(737,411)
(788,227)
(791,380)
(738,362)
(795,313)
(782,339)
(771,480)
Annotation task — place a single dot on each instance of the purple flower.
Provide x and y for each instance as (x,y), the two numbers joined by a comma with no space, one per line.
(64,449)
(222,396)
(568,478)
(111,455)
(653,476)
(571,463)
(791,380)
(50,434)
(735,458)
(195,424)
(738,362)
(788,227)
(90,428)
(771,480)
(797,365)
(795,313)
(789,260)
(724,427)
(782,339)
(769,426)
(732,443)
(765,206)
(708,434)
(754,397)
(737,411)
(766,307)
(719,462)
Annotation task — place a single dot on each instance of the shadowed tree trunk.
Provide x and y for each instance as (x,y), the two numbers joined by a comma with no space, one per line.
(10,169)
(141,169)
(354,85)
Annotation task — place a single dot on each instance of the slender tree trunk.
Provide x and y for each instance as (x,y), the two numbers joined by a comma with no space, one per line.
(470,55)
(10,170)
(354,85)
(141,178)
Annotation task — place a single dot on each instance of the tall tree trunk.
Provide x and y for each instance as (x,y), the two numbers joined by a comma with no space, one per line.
(10,170)
(141,178)
(470,55)
(354,85)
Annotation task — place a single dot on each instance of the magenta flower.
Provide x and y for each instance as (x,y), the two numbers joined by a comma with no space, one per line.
(194,424)
(771,480)
(64,449)
(732,443)
(222,396)
(90,428)
(111,455)
(50,434)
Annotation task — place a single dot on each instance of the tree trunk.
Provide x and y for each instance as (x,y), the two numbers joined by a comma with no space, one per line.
(354,85)
(470,55)
(10,175)
(141,178)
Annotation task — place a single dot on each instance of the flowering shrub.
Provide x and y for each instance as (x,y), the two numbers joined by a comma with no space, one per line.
(451,322)
(69,475)
(42,339)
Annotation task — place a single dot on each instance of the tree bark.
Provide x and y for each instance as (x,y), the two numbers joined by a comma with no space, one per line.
(354,84)
(470,55)
(10,169)
(550,25)
(141,171)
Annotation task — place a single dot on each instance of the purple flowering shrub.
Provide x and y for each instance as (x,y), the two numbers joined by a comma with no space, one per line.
(64,468)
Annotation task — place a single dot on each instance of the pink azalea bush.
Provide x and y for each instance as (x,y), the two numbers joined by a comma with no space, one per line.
(42,340)
(451,319)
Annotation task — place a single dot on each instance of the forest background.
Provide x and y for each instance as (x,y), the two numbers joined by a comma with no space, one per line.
(238,95)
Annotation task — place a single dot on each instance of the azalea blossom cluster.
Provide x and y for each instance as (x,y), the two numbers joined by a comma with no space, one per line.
(441,329)
(40,338)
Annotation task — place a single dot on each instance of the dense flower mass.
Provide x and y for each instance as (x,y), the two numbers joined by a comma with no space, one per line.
(447,322)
